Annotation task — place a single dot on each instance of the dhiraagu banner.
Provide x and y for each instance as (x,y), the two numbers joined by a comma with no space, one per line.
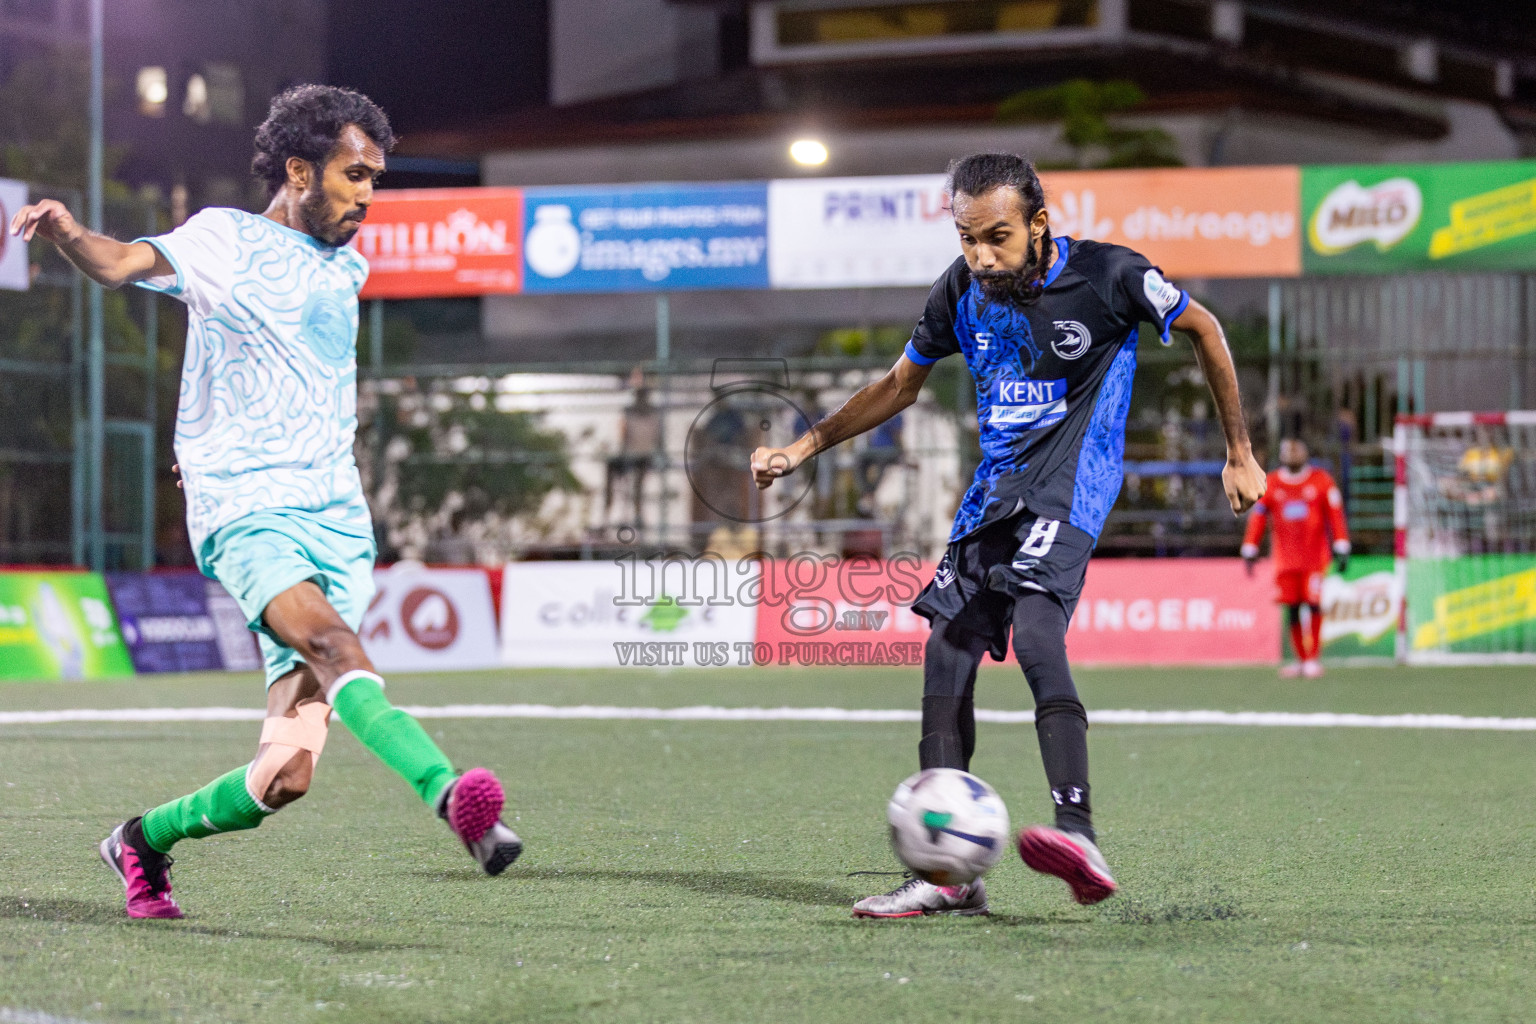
(1482,604)
(59,625)
(1396,218)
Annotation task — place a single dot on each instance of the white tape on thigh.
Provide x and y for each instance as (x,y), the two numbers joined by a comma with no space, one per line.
(282,738)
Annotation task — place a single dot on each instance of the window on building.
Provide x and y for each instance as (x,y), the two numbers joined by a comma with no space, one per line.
(152,90)
(226,93)
(195,103)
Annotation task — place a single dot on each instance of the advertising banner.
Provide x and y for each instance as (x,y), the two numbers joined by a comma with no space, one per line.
(633,238)
(1191,221)
(859,232)
(1360,610)
(677,613)
(181,622)
(425,619)
(442,242)
(1481,604)
(1165,612)
(14,273)
(1401,218)
(59,625)
(1175,611)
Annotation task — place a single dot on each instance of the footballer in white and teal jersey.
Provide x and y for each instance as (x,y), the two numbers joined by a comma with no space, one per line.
(275,508)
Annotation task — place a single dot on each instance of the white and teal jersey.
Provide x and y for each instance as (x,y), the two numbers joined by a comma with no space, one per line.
(268,406)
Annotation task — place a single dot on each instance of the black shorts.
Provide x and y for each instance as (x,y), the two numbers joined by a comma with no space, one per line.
(982,574)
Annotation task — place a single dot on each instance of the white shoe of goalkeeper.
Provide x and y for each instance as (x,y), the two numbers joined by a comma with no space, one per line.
(916,897)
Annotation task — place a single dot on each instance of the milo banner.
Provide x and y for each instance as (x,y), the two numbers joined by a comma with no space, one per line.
(1482,604)
(1402,218)
(1360,610)
(59,625)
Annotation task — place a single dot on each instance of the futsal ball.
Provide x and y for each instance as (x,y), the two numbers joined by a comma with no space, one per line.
(947,826)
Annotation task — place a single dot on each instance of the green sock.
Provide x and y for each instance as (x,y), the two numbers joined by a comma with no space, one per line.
(223,805)
(393,736)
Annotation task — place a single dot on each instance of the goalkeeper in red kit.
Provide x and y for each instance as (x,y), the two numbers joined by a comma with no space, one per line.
(1306,508)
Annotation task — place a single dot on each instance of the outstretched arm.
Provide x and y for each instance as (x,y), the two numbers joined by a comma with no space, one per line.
(104,260)
(1243,478)
(869,407)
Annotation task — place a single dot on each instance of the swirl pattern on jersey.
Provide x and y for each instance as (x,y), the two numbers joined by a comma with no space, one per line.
(998,344)
(268,405)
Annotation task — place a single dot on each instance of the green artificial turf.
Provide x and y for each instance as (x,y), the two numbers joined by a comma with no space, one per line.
(700,871)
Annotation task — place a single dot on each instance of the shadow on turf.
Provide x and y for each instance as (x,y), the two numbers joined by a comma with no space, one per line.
(80,912)
(709,883)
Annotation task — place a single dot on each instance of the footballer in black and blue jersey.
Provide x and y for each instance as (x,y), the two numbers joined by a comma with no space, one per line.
(1048,329)
(1053,387)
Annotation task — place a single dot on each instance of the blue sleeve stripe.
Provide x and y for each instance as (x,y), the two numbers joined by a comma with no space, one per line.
(1174,315)
(181,281)
(917,357)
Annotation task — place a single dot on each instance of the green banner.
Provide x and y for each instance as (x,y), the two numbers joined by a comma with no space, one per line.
(1481,604)
(1361,609)
(59,625)
(1398,218)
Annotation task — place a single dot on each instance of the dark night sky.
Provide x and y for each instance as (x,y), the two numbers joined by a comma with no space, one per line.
(432,64)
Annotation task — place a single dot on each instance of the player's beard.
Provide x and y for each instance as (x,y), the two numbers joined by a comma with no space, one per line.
(314,210)
(1020,287)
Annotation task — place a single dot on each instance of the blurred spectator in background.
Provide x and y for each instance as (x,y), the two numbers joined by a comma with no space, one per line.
(882,452)
(1482,475)
(639,442)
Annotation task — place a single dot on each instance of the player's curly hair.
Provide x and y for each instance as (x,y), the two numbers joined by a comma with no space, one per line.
(306,121)
(980,173)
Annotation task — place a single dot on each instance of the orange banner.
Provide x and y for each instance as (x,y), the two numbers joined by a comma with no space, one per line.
(1191,221)
(443,242)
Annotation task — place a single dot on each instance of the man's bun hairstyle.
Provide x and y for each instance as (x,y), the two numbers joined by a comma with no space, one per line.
(980,173)
(306,121)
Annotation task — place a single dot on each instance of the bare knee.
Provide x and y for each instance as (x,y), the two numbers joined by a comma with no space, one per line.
(291,781)
(333,646)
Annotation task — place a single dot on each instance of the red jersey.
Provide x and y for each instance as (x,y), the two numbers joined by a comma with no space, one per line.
(1306,508)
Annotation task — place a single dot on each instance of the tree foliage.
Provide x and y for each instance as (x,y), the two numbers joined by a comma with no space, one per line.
(1085,109)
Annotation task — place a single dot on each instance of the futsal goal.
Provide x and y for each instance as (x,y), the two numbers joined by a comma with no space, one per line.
(1464,513)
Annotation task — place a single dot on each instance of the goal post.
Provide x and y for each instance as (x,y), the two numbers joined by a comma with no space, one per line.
(1464,518)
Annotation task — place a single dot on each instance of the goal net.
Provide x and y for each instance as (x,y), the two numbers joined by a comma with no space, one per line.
(1465,519)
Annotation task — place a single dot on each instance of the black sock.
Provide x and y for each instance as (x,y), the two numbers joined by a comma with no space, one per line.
(966,720)
(942,745)
(949,710)
(1061,724)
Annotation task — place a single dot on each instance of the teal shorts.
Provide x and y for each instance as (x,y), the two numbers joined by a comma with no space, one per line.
(261,555)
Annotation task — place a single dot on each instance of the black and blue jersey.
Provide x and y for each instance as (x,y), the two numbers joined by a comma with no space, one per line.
(1053,379)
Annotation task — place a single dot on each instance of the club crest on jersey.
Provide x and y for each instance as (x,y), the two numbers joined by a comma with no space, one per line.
(1074,341)
(1031,404)
(945,574)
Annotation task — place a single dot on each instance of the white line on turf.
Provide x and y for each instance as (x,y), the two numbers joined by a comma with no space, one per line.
(10,1016)
(709,713)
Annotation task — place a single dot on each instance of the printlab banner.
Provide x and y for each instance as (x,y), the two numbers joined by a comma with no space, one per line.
(423,243)
(59,625)
(628,613)
(181,622)
(859,232)
(1404,218)
(424,620)
(647,238)
(14,273)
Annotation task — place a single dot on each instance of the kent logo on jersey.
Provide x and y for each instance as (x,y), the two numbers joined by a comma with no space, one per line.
(1029,403)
